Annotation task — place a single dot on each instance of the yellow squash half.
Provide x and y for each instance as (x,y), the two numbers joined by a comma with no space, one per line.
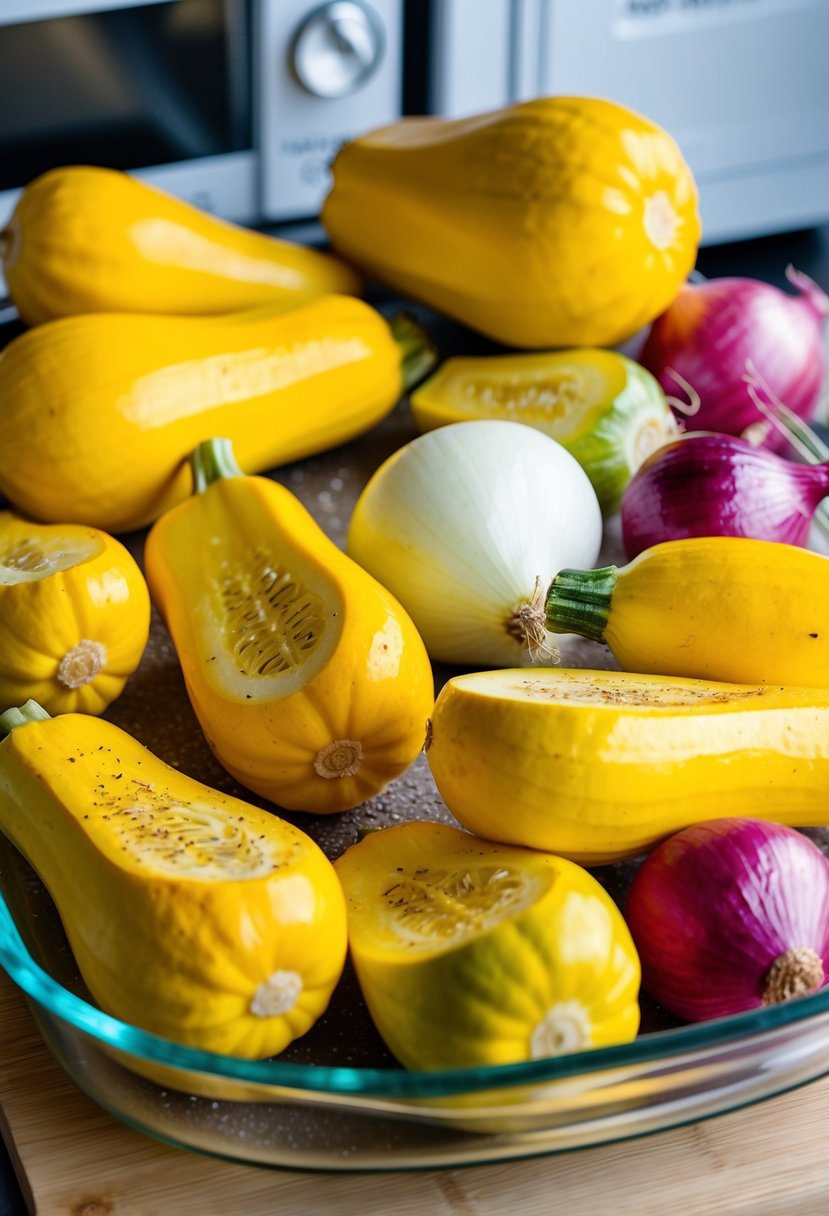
(600,765)
(101,412)
(191,914)
(470,953)
(85,239)
(74,615)
(563,221)
(309,680)
(716,607)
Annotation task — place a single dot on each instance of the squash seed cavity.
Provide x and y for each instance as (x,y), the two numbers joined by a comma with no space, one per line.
(564,1028)
(548,396)
(277,994)
(436,907)
(192,841)
(34,558)
(272,623)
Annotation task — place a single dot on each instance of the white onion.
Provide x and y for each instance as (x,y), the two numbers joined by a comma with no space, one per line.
(464,523)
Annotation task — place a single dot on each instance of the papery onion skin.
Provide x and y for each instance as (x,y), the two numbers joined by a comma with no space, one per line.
(714,329)
(713,908)
(460,523)
(719,485)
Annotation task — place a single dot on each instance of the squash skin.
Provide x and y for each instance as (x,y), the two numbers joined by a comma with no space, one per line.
(71,639)
(476,1002)
(712,607)
(375,689)
(598,766)
(176,954)
(85,239)
(563,221)
(112,405)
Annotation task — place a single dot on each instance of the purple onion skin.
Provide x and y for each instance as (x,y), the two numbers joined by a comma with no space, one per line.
(713,907)
(713,329)
(719,485)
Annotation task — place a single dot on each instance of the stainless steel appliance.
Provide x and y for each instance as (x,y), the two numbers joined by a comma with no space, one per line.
(240,105)
(237,105)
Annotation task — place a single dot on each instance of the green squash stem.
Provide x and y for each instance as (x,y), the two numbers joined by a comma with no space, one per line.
(418,353)
(21,716)
(578,601)
(211,461)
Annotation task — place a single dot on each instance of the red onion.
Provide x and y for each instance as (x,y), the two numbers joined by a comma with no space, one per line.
(718,485)
(701,346)
(730,915)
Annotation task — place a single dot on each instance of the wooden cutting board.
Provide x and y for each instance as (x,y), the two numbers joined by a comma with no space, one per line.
(75,1160)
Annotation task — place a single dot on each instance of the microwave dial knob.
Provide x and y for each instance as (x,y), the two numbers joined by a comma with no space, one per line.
(338,48)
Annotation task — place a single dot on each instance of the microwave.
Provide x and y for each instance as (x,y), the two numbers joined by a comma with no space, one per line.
(236,105)
(240,105)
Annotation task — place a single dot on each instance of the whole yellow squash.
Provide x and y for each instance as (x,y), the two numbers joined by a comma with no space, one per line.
(563,221)
(85,239)
(311,683)
(601,765)
(716,607)
(471,953)
(100,412)
(190,913)
(74,615)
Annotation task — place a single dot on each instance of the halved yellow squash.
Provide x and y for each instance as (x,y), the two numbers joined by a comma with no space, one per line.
(311,683)
(474,953)
(74,615)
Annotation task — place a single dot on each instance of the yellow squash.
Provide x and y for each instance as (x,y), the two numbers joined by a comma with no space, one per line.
(563,221)
(716,607)
(74,615)
(191,914)
(609,412)
(470,953)
(85,239)
(600,765)
(310,682)
(100,412)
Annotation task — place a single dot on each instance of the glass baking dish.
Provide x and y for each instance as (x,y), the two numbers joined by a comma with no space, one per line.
(306,1110)
(335,1099)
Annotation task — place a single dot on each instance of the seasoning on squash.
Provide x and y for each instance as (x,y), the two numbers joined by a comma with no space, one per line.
(310,682)
(601,765)
(191,914)
(471,953)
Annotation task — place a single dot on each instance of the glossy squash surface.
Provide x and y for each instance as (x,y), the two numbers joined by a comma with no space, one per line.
(112,405)
(74,615)
(310,681)
(562,221)
(86,239)
(190,913)
(472,953)
(715,607)
(600,765)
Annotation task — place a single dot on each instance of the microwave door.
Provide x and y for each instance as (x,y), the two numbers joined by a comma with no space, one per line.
(129,88)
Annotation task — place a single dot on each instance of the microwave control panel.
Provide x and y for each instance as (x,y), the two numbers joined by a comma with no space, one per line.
(322,76)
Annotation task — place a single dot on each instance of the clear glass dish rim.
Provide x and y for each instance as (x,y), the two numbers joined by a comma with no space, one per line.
(663,1045)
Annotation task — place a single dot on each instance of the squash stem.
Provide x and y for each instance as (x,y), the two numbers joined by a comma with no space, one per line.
(578,601)
(211,461)
(20,716)
(419,354)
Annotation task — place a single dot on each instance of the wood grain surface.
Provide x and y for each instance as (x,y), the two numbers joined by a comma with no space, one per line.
(75,1160)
